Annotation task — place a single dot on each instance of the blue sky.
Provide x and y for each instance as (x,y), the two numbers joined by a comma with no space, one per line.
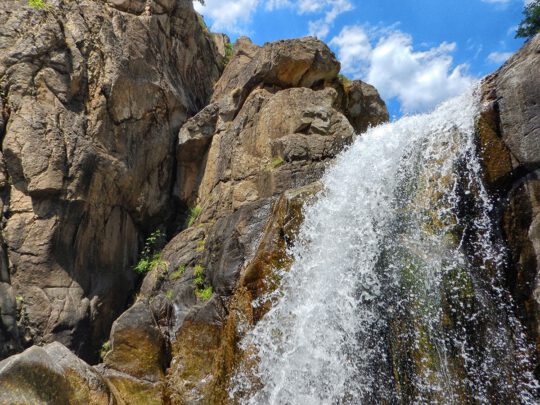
(416,52)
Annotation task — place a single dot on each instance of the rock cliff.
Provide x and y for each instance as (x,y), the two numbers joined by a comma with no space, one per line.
(509,135)
(99,151)
(93,94)
(119,118)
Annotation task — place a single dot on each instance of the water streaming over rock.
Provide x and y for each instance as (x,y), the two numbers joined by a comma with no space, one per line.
(396,293)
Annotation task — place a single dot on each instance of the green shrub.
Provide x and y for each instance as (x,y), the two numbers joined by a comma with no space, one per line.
(150,259)
(204,293)
(105,349)
(277,161)
(193,215)
(38,4)
(530,26)
(202,290)
(200,245)
(179,272)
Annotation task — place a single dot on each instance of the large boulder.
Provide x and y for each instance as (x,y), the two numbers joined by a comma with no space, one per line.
(509,132)
(51,375)
(92,95)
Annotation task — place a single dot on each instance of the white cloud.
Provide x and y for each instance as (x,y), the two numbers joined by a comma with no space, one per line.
(235,16)
(232,16)
(499,57)
(324,11)
(418,79)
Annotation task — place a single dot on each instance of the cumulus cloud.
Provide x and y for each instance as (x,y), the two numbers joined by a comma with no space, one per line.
(232,16)
(499,57)
(418,79)
(235,16)
(324,12)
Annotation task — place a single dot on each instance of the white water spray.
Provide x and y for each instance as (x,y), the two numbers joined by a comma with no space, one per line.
(395,294)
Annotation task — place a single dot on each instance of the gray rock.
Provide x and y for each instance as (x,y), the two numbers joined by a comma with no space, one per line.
(93,95)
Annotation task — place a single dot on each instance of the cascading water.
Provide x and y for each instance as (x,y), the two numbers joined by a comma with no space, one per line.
(395,294)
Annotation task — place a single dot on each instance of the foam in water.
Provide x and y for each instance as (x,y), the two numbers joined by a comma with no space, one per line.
(395,293)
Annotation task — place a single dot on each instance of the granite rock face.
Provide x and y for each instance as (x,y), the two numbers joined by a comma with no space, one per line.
(509,131)
(278,117)
(92,95)
(114,124)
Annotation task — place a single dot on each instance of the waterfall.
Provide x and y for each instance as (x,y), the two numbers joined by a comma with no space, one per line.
(396,294)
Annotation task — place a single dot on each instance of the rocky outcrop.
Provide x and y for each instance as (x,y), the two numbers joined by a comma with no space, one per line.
(92,95)
(51,375)
(509,133)
(246,164)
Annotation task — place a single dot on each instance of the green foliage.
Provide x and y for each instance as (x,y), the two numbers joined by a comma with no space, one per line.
(150,259)
(19,298)
(198,272)
(205,293)
(345,80)
(179,272)
(38,4)
(200,245)
(202,23)
(193,215)
(229,51)
(277,161)
(202,290)
(105,349)
(530,26)
(169,295)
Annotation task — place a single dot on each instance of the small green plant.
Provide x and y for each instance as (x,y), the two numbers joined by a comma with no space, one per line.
(229,52)
(38,4)
(169,295)
(277,161)
(344,79)
(19,299)
(150,259)
(205,293)
(179,272)
(200,245)
(193,215)
(105,349)
(202,290)
(198,272)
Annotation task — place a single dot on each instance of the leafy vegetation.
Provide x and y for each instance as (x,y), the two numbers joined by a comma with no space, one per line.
(344,79)
(277,161)
(229,51)
(179,272)
(204,293)
(200,245)
(150,258)
(38,4)
(530,26)
(193,215)
(105,349)
(202,289)
(169,295)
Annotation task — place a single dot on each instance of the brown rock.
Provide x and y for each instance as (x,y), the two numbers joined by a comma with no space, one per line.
(51,375)
(92,101)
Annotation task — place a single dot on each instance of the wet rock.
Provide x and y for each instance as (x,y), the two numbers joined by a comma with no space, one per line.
(509,133)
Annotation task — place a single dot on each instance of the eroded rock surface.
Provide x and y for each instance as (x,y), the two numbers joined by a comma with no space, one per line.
(509,131)
(248,160)
(93,94)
